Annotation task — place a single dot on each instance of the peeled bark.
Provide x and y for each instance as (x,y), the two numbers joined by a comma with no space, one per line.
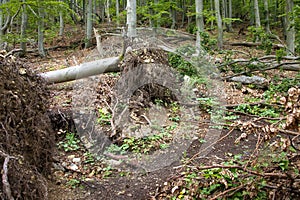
(82,71)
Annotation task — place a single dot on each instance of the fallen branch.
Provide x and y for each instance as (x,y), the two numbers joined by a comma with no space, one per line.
(5,182)
(254,44)
(84,70)
(293,66)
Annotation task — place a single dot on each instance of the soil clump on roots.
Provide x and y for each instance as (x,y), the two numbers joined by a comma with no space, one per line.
(26,137)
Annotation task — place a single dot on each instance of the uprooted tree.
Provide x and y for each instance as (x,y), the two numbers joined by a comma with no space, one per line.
(26,136)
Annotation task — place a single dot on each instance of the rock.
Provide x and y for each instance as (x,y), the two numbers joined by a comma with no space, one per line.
(76,160)
(73,167)
(250,80)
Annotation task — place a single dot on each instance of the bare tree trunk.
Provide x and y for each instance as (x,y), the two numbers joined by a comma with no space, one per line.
(41,28)
(81,71)
(61,22)
(257,16)
(107,5)
(230,15)
(212,9)
(131,18)
(219,24)
(290,31)
(199,22)
(172,15)
(267,15)
(118,12)
(23,28)
(89,24)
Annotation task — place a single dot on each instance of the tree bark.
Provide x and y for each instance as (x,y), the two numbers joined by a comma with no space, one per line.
(219,24)
(118,12)
(199,23)
(89,24)
(230,29)
(82,71)
(24,19)
(41,27)
(61,22)
(267,16)
(257,16)
(290,31)
(131,18)
(107,5)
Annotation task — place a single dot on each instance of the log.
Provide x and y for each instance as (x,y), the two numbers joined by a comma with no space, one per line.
(83,70)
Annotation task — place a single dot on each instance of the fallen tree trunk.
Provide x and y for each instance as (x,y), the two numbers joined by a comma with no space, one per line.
(83,70)
(254,44)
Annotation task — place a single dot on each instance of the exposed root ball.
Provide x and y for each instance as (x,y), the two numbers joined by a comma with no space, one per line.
(25,134)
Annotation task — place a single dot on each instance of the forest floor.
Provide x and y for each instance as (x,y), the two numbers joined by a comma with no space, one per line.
(79,175)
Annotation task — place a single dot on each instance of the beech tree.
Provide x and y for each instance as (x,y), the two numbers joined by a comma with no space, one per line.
(290,32)
(219,24)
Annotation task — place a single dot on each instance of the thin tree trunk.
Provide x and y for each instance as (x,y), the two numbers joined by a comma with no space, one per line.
(118,12)
(257,16)
(290,31)
(61,22)
(131,18)
(230,29)
(199,23)
(107,5)
(89,24)
(173,16)
(23,28)
(267,16)
(212,9)
(41,28)
(219,24)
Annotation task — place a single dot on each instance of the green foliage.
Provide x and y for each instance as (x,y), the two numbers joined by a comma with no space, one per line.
(259,110)
(104,117)
(296,12)
(73,183)
(260,35)
(278,87)
(158,13)
(70,143)
(181,65)
(147,144)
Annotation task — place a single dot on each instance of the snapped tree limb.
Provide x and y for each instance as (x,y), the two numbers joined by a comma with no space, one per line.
(83,70)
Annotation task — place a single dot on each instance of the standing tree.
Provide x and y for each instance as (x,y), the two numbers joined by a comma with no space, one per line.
(219,24)
(61,22)
(41,29)
(24,19)
(89,24)
(131,18)
(290,32)
(267,16)
(257,16)
(199,22)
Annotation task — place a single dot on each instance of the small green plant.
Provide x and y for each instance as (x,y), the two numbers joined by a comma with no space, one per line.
(107,171)
(104,116)
(259,110)
(73,183)
(70,143)
(89,158)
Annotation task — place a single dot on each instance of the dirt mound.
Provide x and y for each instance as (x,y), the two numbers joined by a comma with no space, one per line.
(26,138)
